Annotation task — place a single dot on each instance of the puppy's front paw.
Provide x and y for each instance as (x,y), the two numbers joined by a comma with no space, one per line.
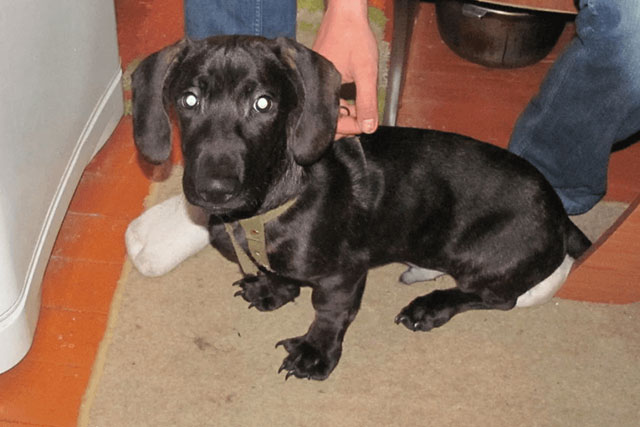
(265,292)
(306,360)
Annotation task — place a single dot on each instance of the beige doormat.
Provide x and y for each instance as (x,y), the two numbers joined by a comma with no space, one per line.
(180,350)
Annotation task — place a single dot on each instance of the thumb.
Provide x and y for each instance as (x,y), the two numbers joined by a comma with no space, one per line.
(367,103)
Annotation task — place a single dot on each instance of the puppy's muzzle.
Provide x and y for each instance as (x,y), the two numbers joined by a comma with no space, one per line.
(217,190)
(215,181)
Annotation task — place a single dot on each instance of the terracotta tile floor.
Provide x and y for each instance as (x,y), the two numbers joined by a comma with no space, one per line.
(442,91)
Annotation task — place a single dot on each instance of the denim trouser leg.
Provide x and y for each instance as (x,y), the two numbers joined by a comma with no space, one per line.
(269,18)
(589,100)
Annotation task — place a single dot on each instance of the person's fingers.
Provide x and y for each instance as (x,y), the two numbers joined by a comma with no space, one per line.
(347,125)
(347,122)
(347,109)
(367,102)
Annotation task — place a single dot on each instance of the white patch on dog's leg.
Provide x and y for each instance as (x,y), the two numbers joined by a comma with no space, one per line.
(418,274)
(545,290)
(165,235)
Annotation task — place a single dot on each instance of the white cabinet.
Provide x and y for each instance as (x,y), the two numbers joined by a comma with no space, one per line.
(61,97)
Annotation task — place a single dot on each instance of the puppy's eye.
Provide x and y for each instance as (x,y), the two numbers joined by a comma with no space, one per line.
(262,104)
(189,100)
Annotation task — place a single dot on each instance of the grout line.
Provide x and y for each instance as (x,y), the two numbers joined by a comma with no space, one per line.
(22,423)
(73,310)
(96,215)
(87,260)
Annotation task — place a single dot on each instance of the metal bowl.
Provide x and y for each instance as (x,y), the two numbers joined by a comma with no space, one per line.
(497,36)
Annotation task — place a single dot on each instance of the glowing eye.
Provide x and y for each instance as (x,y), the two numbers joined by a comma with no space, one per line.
(190,100)
(262,104)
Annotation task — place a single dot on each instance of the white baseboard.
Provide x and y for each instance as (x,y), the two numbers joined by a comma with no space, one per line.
(18,324)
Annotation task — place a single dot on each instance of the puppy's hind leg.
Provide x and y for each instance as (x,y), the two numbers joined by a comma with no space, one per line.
(436,308)
(418,274)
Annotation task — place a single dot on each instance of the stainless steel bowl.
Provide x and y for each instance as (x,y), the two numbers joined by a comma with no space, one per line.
(497,36)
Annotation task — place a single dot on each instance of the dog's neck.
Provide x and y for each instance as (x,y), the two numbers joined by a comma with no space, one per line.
(289,185)
(255,259)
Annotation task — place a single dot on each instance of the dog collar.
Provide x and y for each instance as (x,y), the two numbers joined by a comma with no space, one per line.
(253,227)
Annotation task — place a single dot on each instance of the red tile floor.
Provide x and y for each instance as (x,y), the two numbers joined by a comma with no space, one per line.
(442,91)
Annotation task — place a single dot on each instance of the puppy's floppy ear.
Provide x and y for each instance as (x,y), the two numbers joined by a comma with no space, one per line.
(311,126)
(151,127)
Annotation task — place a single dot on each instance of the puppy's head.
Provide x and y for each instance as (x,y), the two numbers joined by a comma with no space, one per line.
(248,109)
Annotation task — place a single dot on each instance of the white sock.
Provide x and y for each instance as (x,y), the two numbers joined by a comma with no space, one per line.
(165,235)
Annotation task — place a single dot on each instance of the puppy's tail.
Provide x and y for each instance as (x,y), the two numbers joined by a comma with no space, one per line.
(576,241)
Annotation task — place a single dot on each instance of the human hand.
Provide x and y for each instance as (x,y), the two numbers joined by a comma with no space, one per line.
(345,38)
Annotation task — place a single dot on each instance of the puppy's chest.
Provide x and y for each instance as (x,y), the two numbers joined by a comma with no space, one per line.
(306,247)
(293,247)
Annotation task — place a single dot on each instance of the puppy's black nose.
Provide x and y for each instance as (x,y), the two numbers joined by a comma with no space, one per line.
(217,190)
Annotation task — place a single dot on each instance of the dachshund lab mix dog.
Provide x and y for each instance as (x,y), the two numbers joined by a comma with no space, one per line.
(257,119)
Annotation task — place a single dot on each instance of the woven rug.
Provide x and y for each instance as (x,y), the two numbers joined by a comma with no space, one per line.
(181,351)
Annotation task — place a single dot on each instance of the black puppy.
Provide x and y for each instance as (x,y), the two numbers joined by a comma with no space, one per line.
(257,118)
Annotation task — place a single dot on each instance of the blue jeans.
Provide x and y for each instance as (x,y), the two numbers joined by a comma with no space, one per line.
(268,18)
(589,100)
